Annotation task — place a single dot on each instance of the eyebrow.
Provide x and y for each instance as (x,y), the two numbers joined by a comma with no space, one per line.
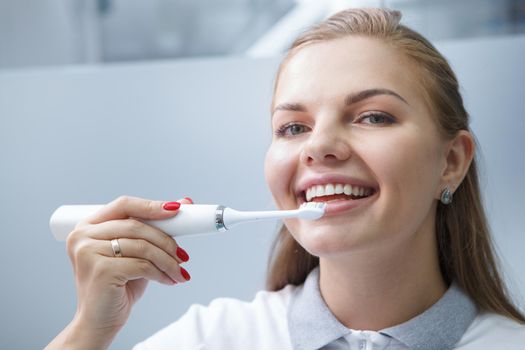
(349,99)
(363,95)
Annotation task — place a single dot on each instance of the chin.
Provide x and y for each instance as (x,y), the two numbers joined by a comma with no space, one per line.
(325,241)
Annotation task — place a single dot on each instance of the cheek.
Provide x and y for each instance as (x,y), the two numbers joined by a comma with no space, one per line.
(279,169)
(417,164)
(403,160)
(408,169)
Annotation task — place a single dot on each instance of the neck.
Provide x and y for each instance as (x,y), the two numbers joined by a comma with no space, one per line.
(383,287)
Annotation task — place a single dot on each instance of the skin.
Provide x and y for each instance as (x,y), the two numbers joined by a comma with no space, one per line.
(378,262)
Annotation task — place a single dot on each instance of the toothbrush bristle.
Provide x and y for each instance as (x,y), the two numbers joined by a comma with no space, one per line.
(313,205)
(312,210)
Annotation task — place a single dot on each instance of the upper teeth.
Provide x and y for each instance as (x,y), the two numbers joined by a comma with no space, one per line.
(329,189)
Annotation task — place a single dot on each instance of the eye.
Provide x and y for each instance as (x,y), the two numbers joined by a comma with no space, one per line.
(377,118)
(291,129)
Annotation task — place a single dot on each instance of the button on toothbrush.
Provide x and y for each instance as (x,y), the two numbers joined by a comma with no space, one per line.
(191,219)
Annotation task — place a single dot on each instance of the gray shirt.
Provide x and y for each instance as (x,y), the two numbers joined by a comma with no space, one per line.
(313,326)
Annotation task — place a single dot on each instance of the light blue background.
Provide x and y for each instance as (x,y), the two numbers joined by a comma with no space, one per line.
(196,128)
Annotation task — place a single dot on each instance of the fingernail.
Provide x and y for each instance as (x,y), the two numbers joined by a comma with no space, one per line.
(181,253)
(171,205)
(185,274)
(188,199)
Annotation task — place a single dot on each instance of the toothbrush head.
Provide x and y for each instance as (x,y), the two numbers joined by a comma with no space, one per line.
(312,210)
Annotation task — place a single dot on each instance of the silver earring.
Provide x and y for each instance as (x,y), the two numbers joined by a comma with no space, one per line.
(446,196)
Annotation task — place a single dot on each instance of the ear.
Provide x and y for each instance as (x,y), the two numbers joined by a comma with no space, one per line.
(459,153)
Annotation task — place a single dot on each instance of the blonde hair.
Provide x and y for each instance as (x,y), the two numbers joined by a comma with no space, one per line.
(466,252)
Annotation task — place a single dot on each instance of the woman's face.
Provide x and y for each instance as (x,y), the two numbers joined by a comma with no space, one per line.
(349,117)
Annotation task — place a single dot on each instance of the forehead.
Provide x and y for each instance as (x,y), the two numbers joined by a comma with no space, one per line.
(335,68)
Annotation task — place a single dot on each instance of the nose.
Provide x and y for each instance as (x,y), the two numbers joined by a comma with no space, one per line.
(326,145)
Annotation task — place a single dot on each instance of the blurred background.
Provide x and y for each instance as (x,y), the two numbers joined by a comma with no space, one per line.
(56,32)
(164,99)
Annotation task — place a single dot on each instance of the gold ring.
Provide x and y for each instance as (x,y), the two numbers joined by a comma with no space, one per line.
(116,248)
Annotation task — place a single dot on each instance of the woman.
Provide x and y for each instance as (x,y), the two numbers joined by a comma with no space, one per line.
(367,117)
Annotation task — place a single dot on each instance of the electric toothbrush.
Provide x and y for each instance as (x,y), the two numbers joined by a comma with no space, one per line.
(191,219)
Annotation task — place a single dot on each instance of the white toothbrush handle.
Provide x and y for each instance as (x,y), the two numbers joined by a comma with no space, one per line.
(191,219)
(66,217)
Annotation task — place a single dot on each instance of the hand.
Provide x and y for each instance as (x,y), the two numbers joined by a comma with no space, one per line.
(108,286)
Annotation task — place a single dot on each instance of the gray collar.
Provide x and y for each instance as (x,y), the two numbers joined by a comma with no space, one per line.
(312,325)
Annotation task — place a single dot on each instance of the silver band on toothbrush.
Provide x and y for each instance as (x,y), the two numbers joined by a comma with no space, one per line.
(219,219)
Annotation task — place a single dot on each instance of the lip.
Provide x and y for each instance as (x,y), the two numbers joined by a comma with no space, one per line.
(337,207)
(323,179)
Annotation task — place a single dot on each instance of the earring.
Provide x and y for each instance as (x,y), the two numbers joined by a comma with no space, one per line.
(446,196)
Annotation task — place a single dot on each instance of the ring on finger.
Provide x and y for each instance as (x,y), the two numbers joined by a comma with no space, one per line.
(115,246)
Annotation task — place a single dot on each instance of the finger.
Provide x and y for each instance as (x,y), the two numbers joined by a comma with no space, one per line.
(186,200)
(126,206)
(128,269)
(134,229)
(138,248)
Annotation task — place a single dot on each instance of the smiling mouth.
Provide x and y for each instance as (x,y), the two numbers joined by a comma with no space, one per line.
(336,192)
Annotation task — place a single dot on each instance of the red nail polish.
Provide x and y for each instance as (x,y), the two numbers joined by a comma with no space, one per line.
(181,253)
(171,206)
(185,274)
(188,199)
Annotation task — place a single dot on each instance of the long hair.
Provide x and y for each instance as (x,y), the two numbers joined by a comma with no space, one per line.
(466,252)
